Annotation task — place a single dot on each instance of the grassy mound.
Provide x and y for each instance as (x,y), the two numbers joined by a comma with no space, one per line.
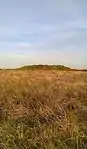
(45,67)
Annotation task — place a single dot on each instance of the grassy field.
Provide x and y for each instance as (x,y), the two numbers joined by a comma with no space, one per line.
(43,109)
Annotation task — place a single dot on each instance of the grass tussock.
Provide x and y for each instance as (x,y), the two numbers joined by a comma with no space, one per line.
(43,109)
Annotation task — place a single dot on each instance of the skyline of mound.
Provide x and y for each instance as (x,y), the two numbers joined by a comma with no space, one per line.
(44,67)
(40,66)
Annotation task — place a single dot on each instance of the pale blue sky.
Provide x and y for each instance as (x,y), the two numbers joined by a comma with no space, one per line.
(43,32)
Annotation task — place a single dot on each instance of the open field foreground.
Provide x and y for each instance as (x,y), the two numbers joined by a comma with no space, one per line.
(43,109)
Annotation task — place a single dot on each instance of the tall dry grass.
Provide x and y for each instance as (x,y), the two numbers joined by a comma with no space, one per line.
(44,109)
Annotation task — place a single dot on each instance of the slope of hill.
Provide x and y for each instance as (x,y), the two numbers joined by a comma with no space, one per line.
(45,67)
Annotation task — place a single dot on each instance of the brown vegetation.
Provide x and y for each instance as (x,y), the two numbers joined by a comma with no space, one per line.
(42,109)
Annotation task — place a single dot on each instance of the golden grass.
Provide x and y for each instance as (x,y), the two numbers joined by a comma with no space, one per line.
(43,109)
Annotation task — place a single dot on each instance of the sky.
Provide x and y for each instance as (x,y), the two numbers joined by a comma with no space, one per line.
(43,32)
